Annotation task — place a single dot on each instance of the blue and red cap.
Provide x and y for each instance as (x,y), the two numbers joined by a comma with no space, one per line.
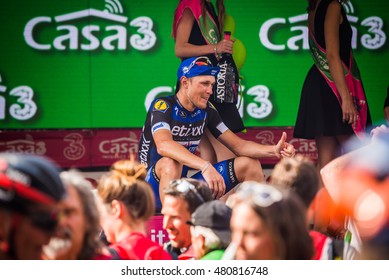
(26,178)
(196,66)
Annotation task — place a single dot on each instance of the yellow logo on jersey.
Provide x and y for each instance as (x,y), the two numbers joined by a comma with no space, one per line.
(161,105)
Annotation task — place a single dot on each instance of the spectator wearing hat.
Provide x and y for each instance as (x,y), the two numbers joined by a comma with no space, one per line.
(210,230)
(30,192)
(182,197)
(175,125)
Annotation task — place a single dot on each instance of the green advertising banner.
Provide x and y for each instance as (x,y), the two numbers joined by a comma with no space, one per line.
(98,64)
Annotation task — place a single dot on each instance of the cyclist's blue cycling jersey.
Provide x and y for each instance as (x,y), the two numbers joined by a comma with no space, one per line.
(186,127)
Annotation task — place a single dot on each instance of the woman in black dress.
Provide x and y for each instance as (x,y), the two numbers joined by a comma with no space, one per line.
(327,112)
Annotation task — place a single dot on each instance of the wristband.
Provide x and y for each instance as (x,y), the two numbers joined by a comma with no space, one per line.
(205,167)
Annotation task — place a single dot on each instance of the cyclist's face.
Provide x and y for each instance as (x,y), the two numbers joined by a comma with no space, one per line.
(199,90)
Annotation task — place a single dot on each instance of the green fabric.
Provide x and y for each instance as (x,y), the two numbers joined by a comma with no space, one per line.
(214,255)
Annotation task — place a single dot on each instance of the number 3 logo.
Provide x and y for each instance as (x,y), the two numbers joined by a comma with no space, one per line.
(28,108)
(145,25)
(379,38)
(261,94)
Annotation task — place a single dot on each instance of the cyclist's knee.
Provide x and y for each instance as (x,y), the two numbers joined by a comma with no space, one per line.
(167,167)
(247,168)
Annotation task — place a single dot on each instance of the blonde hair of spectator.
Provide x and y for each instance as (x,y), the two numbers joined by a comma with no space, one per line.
(126,183)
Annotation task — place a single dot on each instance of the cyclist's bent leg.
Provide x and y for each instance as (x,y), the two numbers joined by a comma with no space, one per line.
(159,176)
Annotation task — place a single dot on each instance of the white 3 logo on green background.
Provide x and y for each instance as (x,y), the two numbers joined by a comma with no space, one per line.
(24,109)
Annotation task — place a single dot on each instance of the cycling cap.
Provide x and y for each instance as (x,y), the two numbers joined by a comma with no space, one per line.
(28,178)
(196,66)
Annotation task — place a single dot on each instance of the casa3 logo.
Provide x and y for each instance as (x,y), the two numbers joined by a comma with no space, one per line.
(27,145)
(374,39)
(110,37)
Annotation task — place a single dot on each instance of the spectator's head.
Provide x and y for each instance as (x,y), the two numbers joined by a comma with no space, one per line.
(126,198)
(77,235)
(210,227)
(269,223)
(182,197)
(299,174)
(30,190)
